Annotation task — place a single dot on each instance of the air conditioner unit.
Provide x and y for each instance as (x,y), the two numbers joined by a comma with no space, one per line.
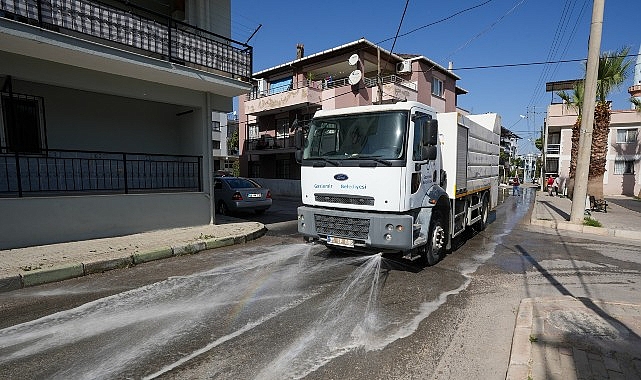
(404,67)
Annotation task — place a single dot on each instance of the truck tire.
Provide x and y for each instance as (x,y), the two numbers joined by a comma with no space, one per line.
(434,250)
(482,224)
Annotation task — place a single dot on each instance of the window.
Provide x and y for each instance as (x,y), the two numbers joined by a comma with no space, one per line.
(626,135)
(282,128)
(254,169)
(623,167)
(282,169)
(215,126)
(437,87)
(551,165)
(215,144)
(252,131)
(23,127)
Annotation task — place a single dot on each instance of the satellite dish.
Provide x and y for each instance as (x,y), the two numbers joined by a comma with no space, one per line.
(355,77)
(353,59)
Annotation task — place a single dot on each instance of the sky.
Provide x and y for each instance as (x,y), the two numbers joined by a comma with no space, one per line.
(511,36)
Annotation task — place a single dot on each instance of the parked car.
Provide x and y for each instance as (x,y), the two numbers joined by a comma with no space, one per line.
(234,194)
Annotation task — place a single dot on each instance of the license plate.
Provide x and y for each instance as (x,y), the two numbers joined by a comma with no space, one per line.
(340,241)
(251,195)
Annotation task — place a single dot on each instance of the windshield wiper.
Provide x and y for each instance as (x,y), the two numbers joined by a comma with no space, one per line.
(374,158)
(333,162)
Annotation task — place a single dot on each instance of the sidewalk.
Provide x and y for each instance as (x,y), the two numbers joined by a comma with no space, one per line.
(37,265)
(579,338)
(554,212)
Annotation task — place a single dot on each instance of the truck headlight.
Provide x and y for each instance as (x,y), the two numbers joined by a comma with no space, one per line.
(388,237)
(389,227)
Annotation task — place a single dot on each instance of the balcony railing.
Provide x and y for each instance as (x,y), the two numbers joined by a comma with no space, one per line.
(327,84)
(140,30)
(553,149)
(56,172)
(269,142)
(273,90)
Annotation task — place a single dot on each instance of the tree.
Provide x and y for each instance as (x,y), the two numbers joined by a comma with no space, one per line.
(612,73)
(232,142)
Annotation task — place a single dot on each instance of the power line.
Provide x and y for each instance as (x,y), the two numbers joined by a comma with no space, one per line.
(529,63)
(436,22)
(486,29)
(399,26)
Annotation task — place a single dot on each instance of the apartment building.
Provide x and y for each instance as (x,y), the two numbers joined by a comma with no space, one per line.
(290,93)
(106,114)
(624,148)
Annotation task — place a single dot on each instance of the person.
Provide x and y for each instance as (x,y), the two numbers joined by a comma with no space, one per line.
(550,182)
(556,184)
(515,186)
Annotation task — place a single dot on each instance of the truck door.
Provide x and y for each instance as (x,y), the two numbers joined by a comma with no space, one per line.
(422,172)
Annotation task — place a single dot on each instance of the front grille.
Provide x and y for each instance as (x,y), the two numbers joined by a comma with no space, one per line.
(353,228)
(345,199)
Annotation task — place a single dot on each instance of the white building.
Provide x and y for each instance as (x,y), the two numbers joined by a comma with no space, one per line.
(106,114)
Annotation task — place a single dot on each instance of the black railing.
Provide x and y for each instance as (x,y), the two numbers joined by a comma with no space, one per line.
(143,30)
(67,172)
(269,142)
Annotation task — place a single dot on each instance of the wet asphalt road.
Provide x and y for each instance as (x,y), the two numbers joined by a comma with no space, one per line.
(276,308)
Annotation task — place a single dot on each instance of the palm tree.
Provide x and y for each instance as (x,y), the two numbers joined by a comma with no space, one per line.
(613,72)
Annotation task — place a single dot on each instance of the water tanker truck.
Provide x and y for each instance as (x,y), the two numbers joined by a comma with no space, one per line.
(396,178)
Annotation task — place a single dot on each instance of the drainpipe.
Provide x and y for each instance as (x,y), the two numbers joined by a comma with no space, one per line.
(209,158)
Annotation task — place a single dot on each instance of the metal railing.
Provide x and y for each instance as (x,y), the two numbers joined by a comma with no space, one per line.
(269,142)
(553,149)
(56,172)
(273,90)
(327,84)
(140,29)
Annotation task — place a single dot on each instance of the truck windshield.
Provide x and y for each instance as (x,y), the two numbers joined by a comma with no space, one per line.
(378,135)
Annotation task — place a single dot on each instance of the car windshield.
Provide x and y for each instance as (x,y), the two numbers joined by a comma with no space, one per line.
(240,183)
(373,135)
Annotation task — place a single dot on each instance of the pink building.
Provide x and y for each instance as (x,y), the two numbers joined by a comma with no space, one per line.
(293,91)
(624,151)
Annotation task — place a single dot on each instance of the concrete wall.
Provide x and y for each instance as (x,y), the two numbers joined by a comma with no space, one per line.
(49,220)
(281,187)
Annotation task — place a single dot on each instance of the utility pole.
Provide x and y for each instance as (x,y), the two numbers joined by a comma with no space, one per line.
(587,118)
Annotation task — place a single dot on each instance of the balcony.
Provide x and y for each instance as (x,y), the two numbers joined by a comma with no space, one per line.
(134,29)
(54,172)
(269,145)
(282,99)
(310,92)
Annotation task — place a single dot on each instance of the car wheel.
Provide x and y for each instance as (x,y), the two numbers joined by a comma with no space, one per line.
(222,209)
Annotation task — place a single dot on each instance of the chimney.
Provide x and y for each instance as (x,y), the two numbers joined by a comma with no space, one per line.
(300,51)
(450,66)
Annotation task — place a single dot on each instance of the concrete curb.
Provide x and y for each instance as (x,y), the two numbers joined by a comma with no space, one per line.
(600,231)
(519,366)
(73,270)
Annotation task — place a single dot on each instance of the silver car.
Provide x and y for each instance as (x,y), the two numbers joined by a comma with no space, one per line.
(240,194)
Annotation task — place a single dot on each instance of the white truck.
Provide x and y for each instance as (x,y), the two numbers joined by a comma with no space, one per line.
(397,178)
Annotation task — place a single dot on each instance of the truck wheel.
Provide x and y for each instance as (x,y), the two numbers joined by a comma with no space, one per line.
(481,224)
(434,250)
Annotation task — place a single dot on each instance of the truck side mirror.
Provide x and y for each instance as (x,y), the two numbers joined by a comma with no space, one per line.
(430,132)
(429,152)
